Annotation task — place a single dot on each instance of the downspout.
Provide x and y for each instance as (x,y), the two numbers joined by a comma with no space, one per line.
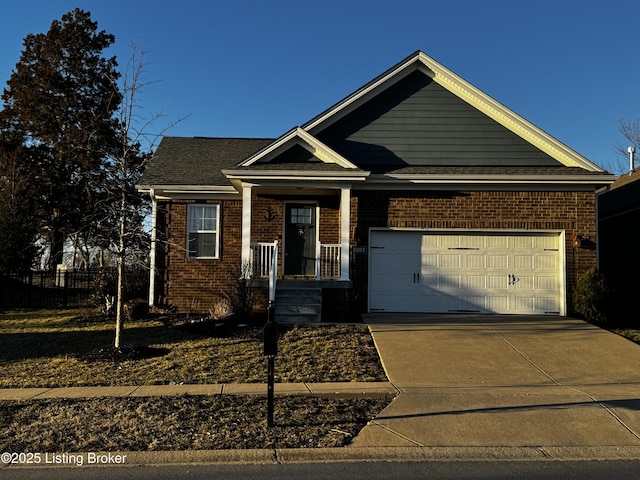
(247,257)
(152,253)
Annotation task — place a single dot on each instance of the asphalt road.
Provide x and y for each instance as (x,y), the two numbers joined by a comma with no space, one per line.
(494,470)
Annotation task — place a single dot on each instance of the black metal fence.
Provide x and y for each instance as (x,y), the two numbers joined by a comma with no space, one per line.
(52,289)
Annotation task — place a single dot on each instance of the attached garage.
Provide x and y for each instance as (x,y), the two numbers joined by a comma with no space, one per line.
(467,271)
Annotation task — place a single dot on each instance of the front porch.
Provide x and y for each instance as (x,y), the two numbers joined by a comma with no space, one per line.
(298,299)
(326,265)
(310,230)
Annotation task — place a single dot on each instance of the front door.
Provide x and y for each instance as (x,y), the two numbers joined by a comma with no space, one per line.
(300,239)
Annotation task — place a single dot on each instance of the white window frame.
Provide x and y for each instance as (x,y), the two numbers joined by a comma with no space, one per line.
(216,231)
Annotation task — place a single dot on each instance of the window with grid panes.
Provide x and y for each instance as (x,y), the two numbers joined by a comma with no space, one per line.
(202,231)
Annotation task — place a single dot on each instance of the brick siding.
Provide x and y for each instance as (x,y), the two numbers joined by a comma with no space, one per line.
(196,284)
(573,212)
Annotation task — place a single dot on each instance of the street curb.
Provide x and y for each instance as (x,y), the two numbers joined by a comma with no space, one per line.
(364,454)
(387,454)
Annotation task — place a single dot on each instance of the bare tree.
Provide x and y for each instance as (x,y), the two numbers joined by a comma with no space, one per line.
(120,221)
(630,129)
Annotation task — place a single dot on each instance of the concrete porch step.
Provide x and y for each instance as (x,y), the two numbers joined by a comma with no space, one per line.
(298,301)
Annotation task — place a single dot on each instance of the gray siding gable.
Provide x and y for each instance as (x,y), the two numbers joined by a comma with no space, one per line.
(417,122)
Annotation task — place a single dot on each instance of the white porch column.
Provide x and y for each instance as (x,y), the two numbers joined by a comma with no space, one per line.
(345,227)
(152,253)
(247,258)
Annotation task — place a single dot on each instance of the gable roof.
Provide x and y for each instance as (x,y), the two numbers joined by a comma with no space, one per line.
(419,61)
(298,137)
(417,123)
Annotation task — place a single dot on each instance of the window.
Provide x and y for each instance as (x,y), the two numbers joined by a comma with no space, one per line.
(301,215)
(202,231)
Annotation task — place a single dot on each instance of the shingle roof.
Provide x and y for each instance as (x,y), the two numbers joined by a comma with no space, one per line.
(626,179)
(198,160)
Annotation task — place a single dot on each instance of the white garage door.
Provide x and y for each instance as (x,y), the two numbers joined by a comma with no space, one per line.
(465,272)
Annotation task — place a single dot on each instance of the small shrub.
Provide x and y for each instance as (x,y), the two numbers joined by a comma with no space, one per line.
(593,298)
(221,310)
(104,293)
(136,309)
(240,293)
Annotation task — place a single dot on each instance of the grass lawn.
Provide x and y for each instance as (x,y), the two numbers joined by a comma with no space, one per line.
(49,348)
(632,334)
(181,423)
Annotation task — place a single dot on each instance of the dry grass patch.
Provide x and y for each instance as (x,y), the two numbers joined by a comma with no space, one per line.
(52,349)
(632,334)
(180,423)
(56,348)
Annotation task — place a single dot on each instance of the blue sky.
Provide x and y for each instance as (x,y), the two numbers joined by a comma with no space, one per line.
(251,68)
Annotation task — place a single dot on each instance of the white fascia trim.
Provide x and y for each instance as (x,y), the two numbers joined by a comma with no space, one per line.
(391,77)
(295,175)
(187,188)
(323,152)
(305,140)
(167,192)
(506,179)
(283,140)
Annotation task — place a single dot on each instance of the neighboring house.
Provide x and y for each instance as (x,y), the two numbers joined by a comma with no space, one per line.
(618,252)
(416,193)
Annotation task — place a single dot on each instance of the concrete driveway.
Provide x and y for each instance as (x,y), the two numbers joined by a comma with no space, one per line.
(505,381)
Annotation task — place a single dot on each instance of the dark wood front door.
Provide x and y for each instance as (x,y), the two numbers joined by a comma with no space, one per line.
(300,239)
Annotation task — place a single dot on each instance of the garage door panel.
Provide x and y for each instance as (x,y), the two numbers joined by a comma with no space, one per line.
(547,283)
(449,282)
(524,283)
(548,305)
(449,260)
(523,242)
(476,282)
(449,241)
(547,262)
(472,241)
(497,242)
(429,280)
(390,263)
(498,261)
(476,271)
(498,304)
(476,261)
(523,262)
(498,282)
(525,304)
(430,260)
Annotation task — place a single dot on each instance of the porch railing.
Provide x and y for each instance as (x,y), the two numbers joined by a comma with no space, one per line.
(327,260)
(263,255)
(273,274)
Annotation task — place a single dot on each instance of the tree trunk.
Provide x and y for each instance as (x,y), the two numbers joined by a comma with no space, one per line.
(56,249)
(121,259)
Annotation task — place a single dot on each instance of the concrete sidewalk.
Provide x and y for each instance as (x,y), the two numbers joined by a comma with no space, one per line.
(547,384)
(343,389)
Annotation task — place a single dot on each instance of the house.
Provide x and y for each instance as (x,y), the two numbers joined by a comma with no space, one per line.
(416,193)
(618,255)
